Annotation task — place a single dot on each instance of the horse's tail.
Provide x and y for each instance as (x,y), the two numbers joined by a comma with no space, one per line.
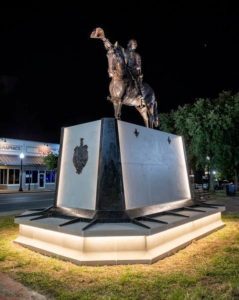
(156,114)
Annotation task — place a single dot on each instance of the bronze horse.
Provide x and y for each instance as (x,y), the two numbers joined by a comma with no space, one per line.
(123,88)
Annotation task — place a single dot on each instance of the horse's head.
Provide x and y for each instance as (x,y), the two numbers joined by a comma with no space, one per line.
(117,66)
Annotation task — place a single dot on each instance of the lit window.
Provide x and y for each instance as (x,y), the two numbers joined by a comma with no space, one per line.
(13,176)
(3,176)
(31,176)
(50,176)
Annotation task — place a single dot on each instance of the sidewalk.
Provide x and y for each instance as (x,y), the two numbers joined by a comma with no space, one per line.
(25,191)
(231,203)
(12,290)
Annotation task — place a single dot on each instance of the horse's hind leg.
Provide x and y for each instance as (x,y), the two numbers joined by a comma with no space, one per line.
(151,121)
(156,116)
(151,115)
(143,111)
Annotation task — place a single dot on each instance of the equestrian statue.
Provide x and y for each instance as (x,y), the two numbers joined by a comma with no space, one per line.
(127,86)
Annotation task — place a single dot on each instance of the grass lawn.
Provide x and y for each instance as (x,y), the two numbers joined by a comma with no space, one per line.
(206,269)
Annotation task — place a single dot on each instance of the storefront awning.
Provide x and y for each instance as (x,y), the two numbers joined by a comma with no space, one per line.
(14,160)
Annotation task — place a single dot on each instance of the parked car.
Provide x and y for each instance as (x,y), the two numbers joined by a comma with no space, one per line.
(205,184)
(198,186)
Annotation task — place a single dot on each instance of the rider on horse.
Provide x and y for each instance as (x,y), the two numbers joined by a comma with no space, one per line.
(126,86)
(132,62)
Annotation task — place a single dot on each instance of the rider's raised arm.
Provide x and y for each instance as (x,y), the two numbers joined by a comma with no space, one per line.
(98,33)
(107,44)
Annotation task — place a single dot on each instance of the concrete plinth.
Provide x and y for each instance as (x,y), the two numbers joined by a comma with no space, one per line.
(122,196)
(119,243)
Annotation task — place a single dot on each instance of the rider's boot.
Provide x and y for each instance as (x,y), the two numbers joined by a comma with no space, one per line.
(142,102)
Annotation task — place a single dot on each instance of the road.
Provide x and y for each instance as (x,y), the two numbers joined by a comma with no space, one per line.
(17,202)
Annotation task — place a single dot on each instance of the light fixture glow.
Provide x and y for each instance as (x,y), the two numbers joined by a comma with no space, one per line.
(22,155)
(117,249)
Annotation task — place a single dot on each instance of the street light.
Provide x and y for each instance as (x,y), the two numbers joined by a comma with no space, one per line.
(21,157)
(209,177)
(29,180)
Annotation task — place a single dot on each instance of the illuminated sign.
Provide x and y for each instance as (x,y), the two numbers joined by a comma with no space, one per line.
(9,147)
(42,150)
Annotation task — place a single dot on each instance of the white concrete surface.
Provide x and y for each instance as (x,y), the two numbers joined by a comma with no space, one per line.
(154,170)
(79,190)
(115,249)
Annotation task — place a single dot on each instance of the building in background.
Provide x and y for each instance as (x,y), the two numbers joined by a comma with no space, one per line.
(34,173)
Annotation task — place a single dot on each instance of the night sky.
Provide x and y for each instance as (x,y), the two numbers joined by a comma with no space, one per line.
(53,75)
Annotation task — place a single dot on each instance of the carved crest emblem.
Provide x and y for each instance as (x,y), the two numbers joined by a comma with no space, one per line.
(80,156)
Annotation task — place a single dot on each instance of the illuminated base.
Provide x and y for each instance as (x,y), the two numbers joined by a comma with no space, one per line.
(131,203)
(117,243)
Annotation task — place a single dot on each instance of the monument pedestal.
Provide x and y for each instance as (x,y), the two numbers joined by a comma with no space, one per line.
(122,196)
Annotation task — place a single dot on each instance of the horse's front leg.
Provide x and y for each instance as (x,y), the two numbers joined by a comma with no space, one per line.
(117,91)
(117,108)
